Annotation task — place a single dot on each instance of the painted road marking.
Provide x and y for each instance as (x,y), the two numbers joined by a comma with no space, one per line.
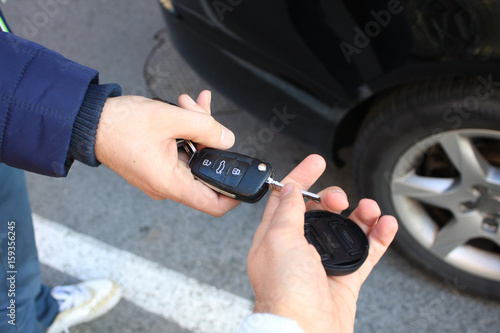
(178,298)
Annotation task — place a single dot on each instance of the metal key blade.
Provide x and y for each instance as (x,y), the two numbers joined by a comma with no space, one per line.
(276,185)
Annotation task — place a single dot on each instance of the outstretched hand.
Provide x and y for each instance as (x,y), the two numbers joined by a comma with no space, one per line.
(286,271)
(136,138)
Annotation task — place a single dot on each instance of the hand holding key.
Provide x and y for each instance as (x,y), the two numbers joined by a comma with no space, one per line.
(136,138)
(286,272)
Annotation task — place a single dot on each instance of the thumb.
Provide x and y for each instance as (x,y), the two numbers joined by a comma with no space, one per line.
(202,128)
(290,210)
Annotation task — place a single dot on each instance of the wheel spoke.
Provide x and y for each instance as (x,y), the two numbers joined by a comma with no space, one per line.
(439,192)
(469,162)
(456,233)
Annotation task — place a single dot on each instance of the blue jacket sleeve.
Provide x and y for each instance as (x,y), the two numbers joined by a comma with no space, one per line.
(41,95)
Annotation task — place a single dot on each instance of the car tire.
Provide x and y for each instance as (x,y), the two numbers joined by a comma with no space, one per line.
(429,154)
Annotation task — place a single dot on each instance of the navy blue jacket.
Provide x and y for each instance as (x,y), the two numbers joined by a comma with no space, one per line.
(49,108)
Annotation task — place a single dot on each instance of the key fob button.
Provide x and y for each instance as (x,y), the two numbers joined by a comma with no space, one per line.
(236,173)
(220,168)
(207,164)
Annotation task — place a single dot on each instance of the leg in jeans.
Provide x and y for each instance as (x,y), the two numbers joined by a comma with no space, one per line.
(35,309)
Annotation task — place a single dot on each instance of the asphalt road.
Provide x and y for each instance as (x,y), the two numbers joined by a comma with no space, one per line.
(124,40)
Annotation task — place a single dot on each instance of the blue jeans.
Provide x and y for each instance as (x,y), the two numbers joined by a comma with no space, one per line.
(25,304)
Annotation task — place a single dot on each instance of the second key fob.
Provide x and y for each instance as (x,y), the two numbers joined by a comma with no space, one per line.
(341,243)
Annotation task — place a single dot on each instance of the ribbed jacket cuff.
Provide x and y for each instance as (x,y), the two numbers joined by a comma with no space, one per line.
(82,144)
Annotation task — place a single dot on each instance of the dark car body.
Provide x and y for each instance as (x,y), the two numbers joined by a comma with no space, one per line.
(326,60)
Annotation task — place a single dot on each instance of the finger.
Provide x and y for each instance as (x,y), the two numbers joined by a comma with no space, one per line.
(333,199)
(366,215)
(379,239)
(204,99)
(186,102)
(201,128)
(197,195)
(303,175)
(307,172)
(290,210)
(288,216)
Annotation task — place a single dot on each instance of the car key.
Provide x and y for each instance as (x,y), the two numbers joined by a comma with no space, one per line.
(235,175)
(341,243)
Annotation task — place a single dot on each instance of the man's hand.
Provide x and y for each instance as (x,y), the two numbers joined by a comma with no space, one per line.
(136,138)
(286,271)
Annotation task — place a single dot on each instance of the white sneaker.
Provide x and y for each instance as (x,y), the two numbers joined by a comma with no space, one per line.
(83,302)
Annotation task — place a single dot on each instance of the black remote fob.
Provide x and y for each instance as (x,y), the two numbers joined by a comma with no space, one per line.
(235,175)
(341,243)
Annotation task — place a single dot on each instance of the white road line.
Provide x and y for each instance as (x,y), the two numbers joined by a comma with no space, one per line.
(192,305)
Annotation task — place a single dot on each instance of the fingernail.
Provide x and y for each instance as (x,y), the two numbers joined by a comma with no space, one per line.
(286,190)
(340,192)
(227,137)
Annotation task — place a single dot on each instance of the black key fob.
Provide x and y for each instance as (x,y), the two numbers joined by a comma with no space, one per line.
(341,243)
(235,175)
